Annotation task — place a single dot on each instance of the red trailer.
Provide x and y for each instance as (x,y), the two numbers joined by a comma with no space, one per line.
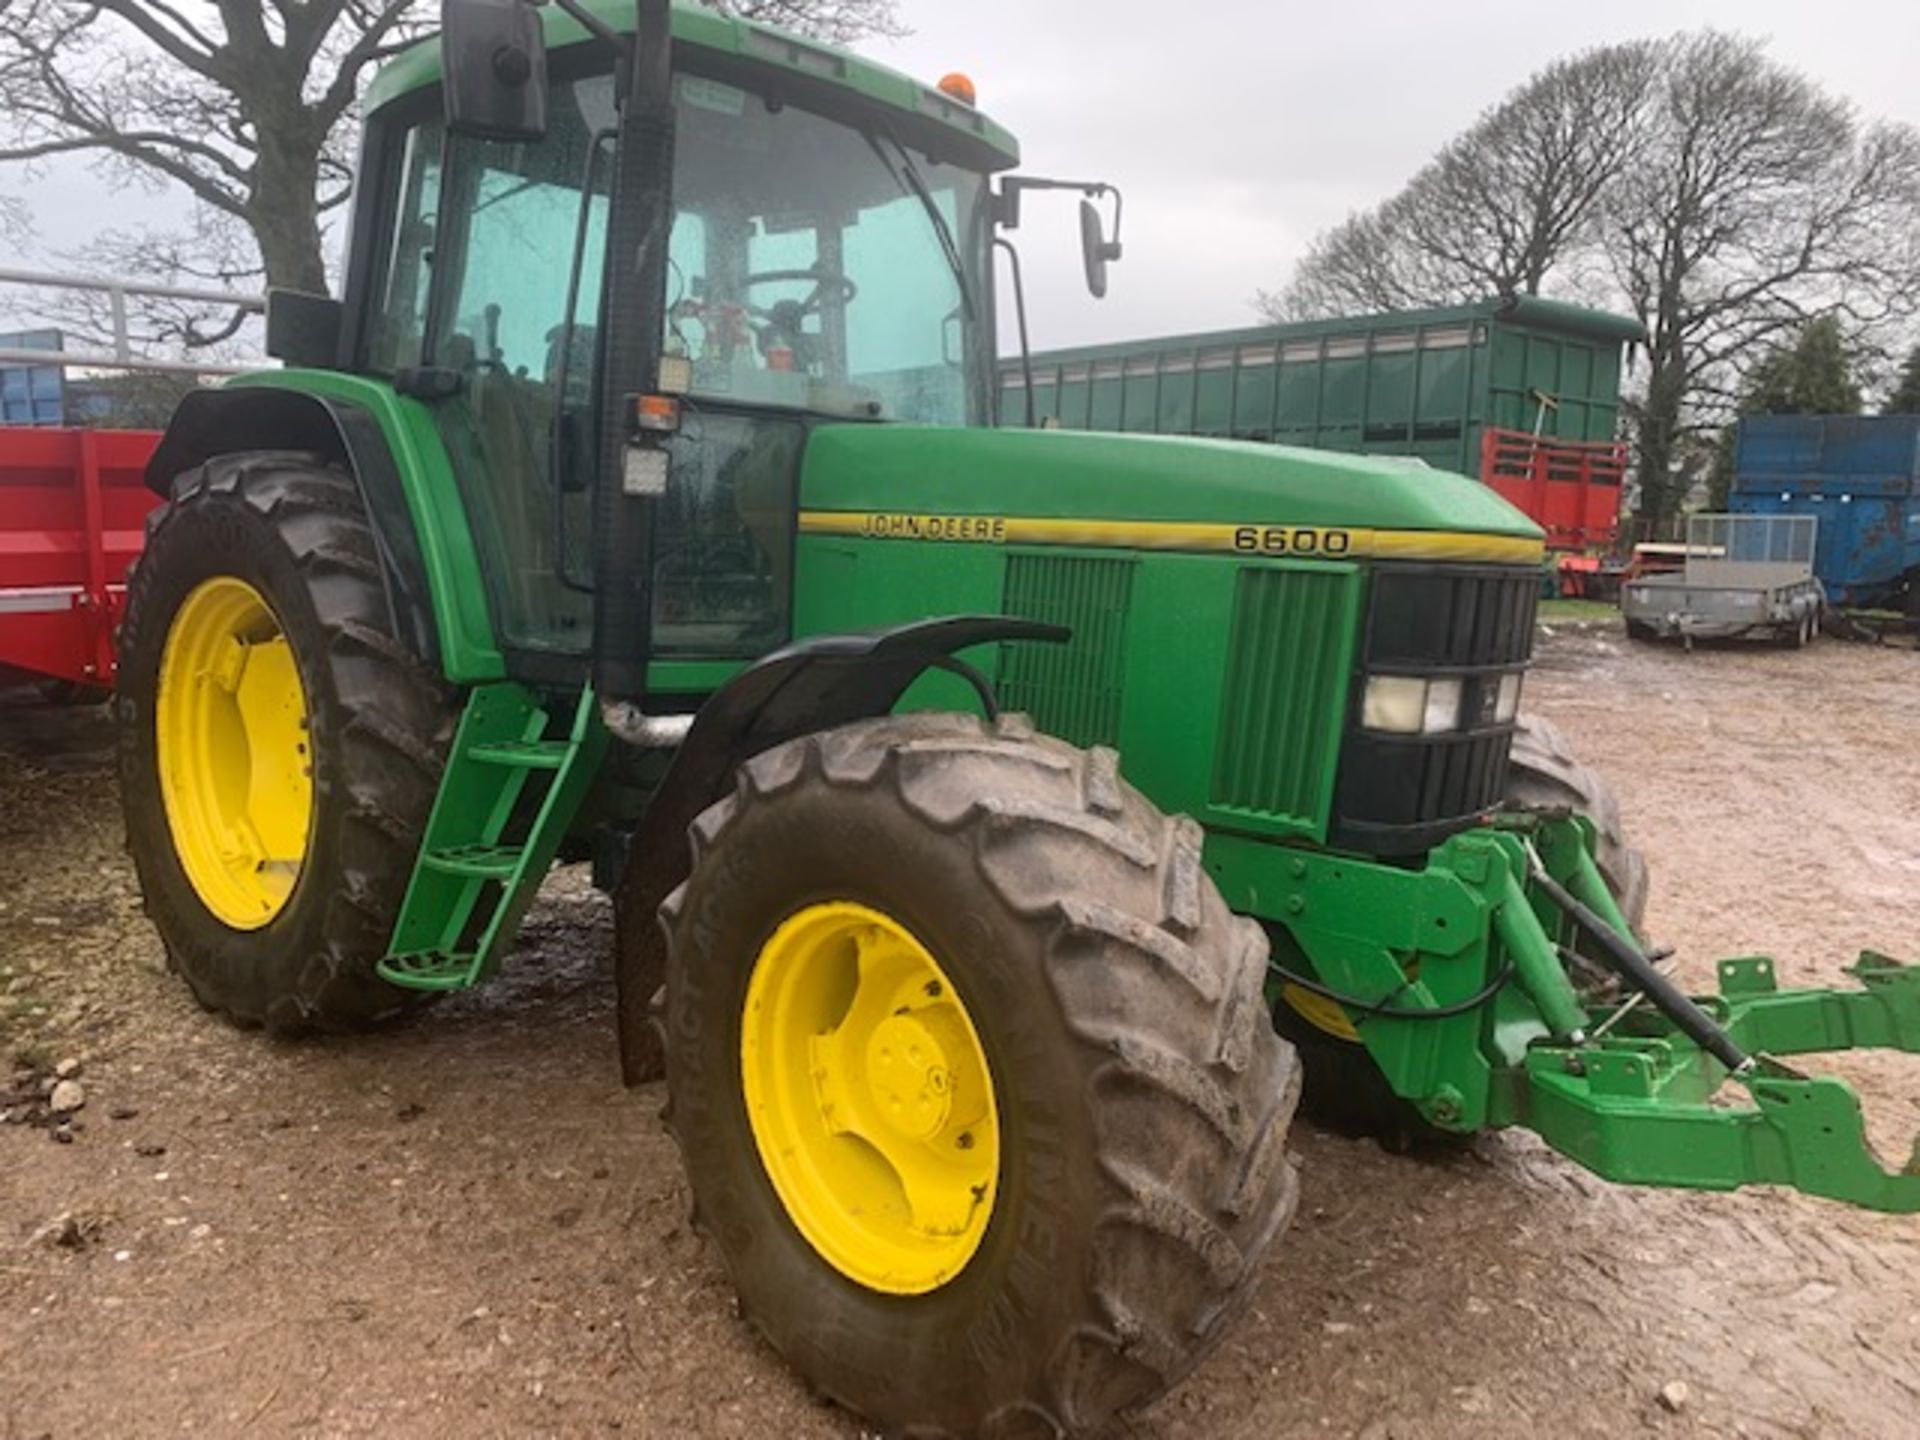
(73,508)
(74,503)
(1572,490)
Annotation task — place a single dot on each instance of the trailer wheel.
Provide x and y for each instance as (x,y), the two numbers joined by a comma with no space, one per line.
(279,748)
(1345,1090)
(971,1074)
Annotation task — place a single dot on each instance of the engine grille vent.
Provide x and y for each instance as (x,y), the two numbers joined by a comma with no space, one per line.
(1281,714)
(1070,690)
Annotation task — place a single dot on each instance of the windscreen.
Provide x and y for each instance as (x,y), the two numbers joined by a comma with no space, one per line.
(817,266)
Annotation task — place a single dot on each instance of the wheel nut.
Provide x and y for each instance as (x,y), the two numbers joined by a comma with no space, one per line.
(965,1142)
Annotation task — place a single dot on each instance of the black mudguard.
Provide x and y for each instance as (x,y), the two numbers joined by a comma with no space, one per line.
(813,685)
(265,417)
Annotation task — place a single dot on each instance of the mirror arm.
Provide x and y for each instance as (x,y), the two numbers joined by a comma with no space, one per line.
(1012,187)
(1020,311)
(621,45)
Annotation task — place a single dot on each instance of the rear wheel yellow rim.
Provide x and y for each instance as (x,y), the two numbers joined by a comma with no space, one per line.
(234,752)
(870,1099)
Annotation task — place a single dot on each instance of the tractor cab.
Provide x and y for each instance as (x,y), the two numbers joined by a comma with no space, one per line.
(827,260)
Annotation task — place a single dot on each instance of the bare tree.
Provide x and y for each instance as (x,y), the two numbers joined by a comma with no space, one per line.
(238,102)
(1757,204)
(1362,264)
(15,224)
(245,104)
(1500,209)
(838,22)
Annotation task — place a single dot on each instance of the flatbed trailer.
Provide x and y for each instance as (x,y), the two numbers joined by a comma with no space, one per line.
(1669,606)
(1742,575)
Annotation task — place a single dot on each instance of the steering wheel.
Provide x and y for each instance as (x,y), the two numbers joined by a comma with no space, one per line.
(791,311)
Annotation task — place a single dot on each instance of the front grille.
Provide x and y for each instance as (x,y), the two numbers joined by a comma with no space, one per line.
(1401,795)
(1433,618)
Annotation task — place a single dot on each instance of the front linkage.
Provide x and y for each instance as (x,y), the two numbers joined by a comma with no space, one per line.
(1471,1017)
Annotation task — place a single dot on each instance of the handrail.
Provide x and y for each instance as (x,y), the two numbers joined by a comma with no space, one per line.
(122,356)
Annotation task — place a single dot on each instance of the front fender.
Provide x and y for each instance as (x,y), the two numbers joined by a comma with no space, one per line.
(816,684)
(224,422)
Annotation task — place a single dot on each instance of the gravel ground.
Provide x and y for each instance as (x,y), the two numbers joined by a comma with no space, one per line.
(468,1228)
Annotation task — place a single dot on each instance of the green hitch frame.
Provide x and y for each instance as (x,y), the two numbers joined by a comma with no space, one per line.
(1638,1106)
(1618,1088)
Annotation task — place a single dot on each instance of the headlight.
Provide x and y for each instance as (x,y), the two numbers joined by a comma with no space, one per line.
(1442,713)
(1437,705)
(1508,705)
(1412,704)
(1395,704)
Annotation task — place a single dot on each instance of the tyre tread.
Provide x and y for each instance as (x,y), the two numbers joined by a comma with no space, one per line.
(1190,1089)
(396,722)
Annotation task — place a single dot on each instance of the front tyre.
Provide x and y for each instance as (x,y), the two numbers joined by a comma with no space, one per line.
(972,1076)
(279,748)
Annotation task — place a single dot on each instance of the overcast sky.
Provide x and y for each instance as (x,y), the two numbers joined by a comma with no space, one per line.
(1239,128)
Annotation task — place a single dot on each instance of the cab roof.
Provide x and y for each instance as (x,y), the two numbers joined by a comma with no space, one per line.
(727,39)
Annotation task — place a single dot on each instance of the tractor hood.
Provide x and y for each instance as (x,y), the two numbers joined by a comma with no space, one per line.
(1150,492)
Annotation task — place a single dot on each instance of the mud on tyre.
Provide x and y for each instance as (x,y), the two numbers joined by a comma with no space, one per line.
(1140,1096)
(328,773)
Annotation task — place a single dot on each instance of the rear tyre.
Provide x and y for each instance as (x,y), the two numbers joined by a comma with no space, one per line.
(1097,1064)
(1345,1091)
(279,748)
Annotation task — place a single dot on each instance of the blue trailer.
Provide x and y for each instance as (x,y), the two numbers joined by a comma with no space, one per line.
(1860,477)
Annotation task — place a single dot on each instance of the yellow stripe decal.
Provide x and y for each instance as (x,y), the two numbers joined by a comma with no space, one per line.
(1301,542)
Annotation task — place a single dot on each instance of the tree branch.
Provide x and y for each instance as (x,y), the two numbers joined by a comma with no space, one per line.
(177,45)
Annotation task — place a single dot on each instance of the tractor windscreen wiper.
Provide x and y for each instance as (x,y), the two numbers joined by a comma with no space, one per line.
(909,174)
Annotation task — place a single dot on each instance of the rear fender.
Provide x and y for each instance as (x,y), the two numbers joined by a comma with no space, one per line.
(814,685)
(225,422)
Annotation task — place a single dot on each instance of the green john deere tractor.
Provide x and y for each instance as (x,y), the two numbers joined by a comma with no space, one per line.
(638,504)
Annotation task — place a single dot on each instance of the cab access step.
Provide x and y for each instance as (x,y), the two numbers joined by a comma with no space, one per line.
(511,790)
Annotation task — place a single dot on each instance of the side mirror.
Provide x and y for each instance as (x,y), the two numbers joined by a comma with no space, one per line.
(494,67)
(303,329)
(1096,249)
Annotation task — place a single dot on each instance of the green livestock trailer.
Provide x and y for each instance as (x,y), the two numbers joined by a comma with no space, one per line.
(1523,393)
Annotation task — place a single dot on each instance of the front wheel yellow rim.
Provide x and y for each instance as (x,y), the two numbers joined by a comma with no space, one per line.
(1323,1014)
(870,1098)
(234,752)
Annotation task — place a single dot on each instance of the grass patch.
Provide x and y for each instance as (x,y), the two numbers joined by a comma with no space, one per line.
(1563,610)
